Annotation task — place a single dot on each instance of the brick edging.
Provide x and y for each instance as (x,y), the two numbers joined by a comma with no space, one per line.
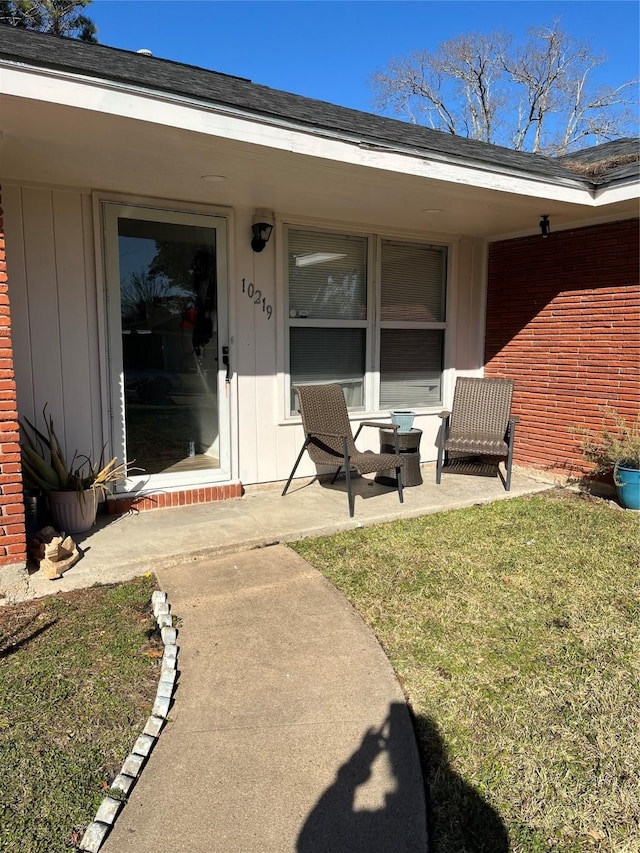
(117,505)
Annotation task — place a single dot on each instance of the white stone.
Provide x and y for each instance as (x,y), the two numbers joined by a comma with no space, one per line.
(157,595)
(164,620)
(153,726)
(171,650)
(133,765)
(161,607)
(108,810)
(143,745)
(169,635)
(168,675)
(160,708)
(93,837)
(123,783)
(165,690)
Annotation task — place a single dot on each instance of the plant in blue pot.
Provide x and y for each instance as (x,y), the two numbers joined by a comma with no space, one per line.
(616,448)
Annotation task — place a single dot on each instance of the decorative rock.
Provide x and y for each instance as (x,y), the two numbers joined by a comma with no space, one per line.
(160,708)
(153,726)
(158,596)
(170,655)
(133,765)
(168,675)
(144,745)
(123,783)
(108,810)
(165,620)
(161,607)
(169,635)
(165,690)
(93,837)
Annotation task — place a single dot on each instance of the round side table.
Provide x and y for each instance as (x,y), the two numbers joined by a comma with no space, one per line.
(409,446)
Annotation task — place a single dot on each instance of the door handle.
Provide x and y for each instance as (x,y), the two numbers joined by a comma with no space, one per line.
(225,361)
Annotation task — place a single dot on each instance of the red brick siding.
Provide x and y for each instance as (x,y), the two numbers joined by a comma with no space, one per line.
(12,531)
(563,321)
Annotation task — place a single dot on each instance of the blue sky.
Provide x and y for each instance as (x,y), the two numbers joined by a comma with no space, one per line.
(328,50)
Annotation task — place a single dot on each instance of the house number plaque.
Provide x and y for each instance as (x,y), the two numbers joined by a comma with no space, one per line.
(255,295)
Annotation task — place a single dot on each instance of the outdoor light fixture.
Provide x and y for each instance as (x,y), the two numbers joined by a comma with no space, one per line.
(261,232)
(545,226)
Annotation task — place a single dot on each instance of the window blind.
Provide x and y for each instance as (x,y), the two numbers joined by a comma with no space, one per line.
(327,276)
(413,280)
(410,367)
(329,355)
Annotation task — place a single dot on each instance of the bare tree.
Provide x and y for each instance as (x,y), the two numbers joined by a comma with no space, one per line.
(61,17)
(534,97)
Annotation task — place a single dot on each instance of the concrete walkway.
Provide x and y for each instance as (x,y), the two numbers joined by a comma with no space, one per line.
(289,731)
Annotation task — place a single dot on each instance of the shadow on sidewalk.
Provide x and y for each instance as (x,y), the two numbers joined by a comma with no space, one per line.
(461,819)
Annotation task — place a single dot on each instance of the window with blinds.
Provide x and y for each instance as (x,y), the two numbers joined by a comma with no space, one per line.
(333,337)
(327,276)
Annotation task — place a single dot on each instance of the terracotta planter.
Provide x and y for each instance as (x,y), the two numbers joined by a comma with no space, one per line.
(72,513)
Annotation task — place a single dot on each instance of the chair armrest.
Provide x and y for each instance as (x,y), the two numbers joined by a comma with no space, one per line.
(514,419)
(444,414)
(380,425)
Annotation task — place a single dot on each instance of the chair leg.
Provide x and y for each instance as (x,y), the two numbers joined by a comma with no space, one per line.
(512,430)
(444,426)
(347,474)
(439,464)
(304,447)
(399,481)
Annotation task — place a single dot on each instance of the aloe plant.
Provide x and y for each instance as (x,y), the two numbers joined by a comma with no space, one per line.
(44,464)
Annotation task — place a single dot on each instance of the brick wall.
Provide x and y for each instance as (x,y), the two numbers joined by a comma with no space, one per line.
(12,530)
(563,321)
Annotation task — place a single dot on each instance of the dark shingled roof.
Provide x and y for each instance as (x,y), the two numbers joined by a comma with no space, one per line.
(612,161)
(162,75)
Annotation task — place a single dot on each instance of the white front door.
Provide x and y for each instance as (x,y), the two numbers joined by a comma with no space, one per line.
(167,336)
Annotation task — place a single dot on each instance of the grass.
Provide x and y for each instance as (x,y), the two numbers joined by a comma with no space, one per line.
(514,629)
(78,675)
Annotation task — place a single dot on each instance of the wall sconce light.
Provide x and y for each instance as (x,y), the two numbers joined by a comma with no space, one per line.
(545,226)
(261,232)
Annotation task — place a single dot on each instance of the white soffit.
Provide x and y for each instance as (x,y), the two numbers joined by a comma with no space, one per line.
(128,102)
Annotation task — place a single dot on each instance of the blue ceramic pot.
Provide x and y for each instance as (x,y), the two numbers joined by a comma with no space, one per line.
(627,482)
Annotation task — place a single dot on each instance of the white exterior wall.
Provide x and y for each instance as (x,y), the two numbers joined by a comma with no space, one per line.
(57,320)
(52,288)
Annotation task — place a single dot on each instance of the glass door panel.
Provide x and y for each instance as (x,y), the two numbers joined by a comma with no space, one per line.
(168,318)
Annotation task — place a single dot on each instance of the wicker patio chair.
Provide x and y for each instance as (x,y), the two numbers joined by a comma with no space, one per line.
(479,424)
(330,442)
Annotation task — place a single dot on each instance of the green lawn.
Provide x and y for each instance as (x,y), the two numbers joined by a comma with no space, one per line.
(514,629)
(78,676)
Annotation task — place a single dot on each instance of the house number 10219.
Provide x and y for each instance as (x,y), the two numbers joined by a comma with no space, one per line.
(255,295)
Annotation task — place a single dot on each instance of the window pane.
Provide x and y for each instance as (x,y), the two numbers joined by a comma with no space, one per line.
(413,282)
(329,355)
(410,367)
(327,276)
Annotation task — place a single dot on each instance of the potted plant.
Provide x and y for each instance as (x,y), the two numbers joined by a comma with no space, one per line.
(74,490)
(616,448)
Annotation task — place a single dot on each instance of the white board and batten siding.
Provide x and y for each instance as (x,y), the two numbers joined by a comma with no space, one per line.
(52,288)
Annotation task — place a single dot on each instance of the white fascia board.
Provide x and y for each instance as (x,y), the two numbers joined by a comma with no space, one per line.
(216,120)
(612,193)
